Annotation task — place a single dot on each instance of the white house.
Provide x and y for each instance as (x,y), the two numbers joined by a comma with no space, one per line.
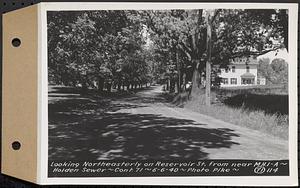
(241,72)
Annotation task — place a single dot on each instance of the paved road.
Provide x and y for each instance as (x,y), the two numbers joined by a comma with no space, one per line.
(192,132)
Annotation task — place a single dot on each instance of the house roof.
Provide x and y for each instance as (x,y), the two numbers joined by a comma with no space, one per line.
(248,75)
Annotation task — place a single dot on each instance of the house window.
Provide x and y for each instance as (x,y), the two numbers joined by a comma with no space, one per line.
(233,68)
(225,81)
(233,81)
(226,70)
(247,69)
(247,81)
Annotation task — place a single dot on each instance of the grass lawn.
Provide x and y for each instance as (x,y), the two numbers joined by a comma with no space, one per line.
(266,113)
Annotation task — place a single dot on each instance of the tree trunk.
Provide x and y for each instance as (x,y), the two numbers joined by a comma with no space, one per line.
(100,84)
(172,86)
(168,85)
(84,86)
(196,80)
(178,72)
(108,86)
(208,62)
(178,86)
(184,82)
(197,91)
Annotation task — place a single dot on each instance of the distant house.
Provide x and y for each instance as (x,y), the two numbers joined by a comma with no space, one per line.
(241,72)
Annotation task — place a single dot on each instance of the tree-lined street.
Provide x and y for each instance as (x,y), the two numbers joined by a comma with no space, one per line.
(126,49)
(145,126)
(109,72)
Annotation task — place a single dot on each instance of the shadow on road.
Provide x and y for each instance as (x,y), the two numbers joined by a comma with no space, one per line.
(91,129)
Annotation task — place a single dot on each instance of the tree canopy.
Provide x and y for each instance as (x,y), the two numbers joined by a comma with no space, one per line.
(119,48)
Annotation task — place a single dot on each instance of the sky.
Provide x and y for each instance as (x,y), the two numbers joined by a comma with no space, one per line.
(280,53)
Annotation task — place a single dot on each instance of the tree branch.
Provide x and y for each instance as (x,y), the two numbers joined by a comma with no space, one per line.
(241,54)
(152,25)
(184,49)
(216,14)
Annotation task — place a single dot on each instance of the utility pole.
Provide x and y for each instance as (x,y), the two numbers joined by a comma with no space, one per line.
(208,62)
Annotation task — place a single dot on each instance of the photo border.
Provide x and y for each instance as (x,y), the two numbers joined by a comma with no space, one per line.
(195,180)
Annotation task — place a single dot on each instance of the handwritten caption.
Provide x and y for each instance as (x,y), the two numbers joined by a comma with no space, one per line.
(163,168)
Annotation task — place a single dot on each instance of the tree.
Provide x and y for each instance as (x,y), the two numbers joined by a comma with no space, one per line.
(117,48)
(275,72)
(96,49)
(234,33)
(170,32)
(280,68)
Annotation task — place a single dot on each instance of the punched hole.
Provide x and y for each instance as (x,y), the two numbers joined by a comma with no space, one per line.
(16,42)
(16,145)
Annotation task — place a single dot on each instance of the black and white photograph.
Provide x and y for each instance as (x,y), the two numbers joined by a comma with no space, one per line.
(206,86)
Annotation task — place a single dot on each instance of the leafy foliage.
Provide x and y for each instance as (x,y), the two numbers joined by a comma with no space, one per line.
(89,48)
(129,48)
(275,72)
